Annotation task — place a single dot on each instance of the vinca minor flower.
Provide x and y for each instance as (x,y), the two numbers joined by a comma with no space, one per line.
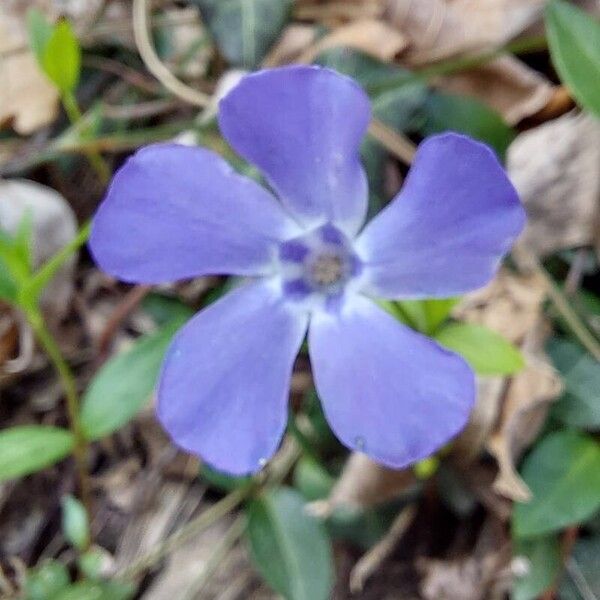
(312,266)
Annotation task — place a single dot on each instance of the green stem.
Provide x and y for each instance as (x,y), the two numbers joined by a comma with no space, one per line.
(76,118)
(51,348)
(48,270)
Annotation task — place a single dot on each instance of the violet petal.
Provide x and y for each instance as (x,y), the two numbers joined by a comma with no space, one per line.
(224,388)
(387,390)
(447,230)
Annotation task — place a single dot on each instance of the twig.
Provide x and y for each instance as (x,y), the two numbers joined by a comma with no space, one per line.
(227,542)
(114,67)
(576,272)
(153,62)
(373,558)
(562,305)
(580,581)
(278,470)
(194,527)
(142,110)
(131,300)
(394,142)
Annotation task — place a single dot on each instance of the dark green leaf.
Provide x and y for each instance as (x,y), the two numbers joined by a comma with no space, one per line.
(39,30)
(163,309)
(563,473)
(62,57)
(30,448)
(487,352)
(581,580)
(365,69)
(75,525)
(45,581)
(574,40)
(245,29)
(579,405)
(448,112)
(124,384)
(542,564)
(225,483)
(290,548)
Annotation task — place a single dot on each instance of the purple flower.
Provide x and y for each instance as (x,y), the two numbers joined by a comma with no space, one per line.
(175,212)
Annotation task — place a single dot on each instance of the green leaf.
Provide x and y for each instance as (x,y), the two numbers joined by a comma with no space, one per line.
(30,448)
(245,29)
(574,41)
(39,31)
(75,525)
(583,571)
(8,287)
(448,112)
(312,480)
(487,352)
(579,406)
(87,590)
(425,316)
(124,384)
(16,258)
(35,285)
(45,581)
(542,559)
(61,60)
(563,473)
(290,548)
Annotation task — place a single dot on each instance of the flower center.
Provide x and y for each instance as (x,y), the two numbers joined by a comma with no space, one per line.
(317,265)
(327,269)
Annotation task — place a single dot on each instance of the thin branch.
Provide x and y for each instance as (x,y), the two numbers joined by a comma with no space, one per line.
(396,143)
(153,62)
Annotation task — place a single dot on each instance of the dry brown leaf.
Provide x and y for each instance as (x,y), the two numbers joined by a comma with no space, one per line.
(509,413)
(555,168)
(524,412)
(364,484)
(439,29)
(478,576)
(334,12)
(27,99)
(507,85)
(510,305)
(371,36)
(293,41)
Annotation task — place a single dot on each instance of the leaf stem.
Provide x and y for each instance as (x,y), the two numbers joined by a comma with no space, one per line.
(67,378)
(76,118)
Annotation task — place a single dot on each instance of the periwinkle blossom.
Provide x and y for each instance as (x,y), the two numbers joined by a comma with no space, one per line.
(175,212)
